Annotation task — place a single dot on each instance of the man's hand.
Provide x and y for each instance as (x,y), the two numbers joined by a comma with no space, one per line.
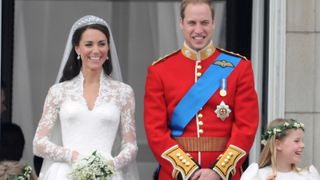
(205,174)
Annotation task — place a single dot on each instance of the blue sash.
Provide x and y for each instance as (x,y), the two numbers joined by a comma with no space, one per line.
(201,91)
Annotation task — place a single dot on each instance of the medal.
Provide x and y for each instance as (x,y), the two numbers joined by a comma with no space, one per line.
(222,111)
(223,91)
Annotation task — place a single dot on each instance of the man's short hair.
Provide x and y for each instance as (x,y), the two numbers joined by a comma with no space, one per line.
(185,3)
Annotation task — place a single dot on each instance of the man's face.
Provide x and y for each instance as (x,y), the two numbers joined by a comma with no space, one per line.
(197,25)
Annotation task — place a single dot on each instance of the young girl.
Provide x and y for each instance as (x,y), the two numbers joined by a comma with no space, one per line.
(283,147)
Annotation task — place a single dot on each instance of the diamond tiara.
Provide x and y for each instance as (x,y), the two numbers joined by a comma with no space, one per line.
(87,20)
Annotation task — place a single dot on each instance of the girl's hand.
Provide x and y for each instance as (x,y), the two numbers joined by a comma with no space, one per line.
(272,177)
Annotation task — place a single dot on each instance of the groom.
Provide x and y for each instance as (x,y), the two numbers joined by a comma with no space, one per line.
(200,106)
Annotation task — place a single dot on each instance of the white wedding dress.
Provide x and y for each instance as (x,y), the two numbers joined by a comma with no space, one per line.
(86,130)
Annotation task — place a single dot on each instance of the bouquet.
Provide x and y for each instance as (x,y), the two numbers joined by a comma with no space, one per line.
(26,174)
(94,167)
(15,170)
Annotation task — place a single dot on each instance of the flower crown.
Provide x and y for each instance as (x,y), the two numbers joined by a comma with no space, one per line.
(281,129)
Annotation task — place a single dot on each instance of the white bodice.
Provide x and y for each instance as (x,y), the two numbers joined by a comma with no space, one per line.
(87,130)
(254,173)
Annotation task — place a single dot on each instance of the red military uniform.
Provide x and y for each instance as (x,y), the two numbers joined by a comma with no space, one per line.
(208,141)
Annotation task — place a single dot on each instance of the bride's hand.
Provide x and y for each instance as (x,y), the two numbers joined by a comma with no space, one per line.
(75,156)
(110,162)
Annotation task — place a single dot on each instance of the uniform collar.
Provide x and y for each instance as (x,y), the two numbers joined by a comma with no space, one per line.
(198,55)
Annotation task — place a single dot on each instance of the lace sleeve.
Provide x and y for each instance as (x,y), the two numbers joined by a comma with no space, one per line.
(42,144)
(129,146)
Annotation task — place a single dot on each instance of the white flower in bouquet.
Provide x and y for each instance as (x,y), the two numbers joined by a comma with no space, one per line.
(94,167)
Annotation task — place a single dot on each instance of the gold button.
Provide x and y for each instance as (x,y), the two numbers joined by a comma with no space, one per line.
(228,157)
(201,131)
(223,164)
(184,161)
(199,74)
(181,157)
(188,154)
(200,123)
(231,154)
(199,66)
(187,163)
(200,115)
(178,154)
(226,160)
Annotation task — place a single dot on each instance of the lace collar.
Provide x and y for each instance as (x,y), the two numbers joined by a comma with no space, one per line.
(79,80)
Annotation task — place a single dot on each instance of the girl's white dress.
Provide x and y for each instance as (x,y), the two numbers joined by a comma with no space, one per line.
(254,173)
(86,130)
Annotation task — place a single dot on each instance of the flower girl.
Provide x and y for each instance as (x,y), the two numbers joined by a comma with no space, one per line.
(283,148)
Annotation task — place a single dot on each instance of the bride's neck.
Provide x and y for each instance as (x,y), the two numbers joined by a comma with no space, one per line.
(91,76)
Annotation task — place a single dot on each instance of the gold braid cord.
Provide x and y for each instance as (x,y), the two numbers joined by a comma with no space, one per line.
(232,53)
(164,57)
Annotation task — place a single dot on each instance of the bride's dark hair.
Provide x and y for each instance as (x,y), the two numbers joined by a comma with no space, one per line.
(73,65)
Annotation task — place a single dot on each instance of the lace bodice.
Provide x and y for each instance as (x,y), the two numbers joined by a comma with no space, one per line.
(87,130)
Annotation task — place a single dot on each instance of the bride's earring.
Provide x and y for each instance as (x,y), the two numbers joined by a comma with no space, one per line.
(78,57)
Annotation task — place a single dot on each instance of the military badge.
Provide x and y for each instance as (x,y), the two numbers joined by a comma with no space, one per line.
(223,91)
(188,53)
(222,111)
(223,63)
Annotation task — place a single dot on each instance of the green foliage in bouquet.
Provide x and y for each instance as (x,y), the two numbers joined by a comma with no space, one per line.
(94,167)
(26,174)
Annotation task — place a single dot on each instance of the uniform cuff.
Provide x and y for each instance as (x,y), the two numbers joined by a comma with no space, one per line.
(225,166)
(180,161)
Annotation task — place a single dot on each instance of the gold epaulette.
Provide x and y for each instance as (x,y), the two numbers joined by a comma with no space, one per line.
(232,53)
(228,161)
(180,161)
(164,57)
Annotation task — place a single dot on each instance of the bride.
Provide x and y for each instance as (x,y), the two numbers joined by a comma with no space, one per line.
(83,112)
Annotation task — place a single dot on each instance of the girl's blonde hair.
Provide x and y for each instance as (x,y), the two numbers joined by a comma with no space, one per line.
(277,130)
